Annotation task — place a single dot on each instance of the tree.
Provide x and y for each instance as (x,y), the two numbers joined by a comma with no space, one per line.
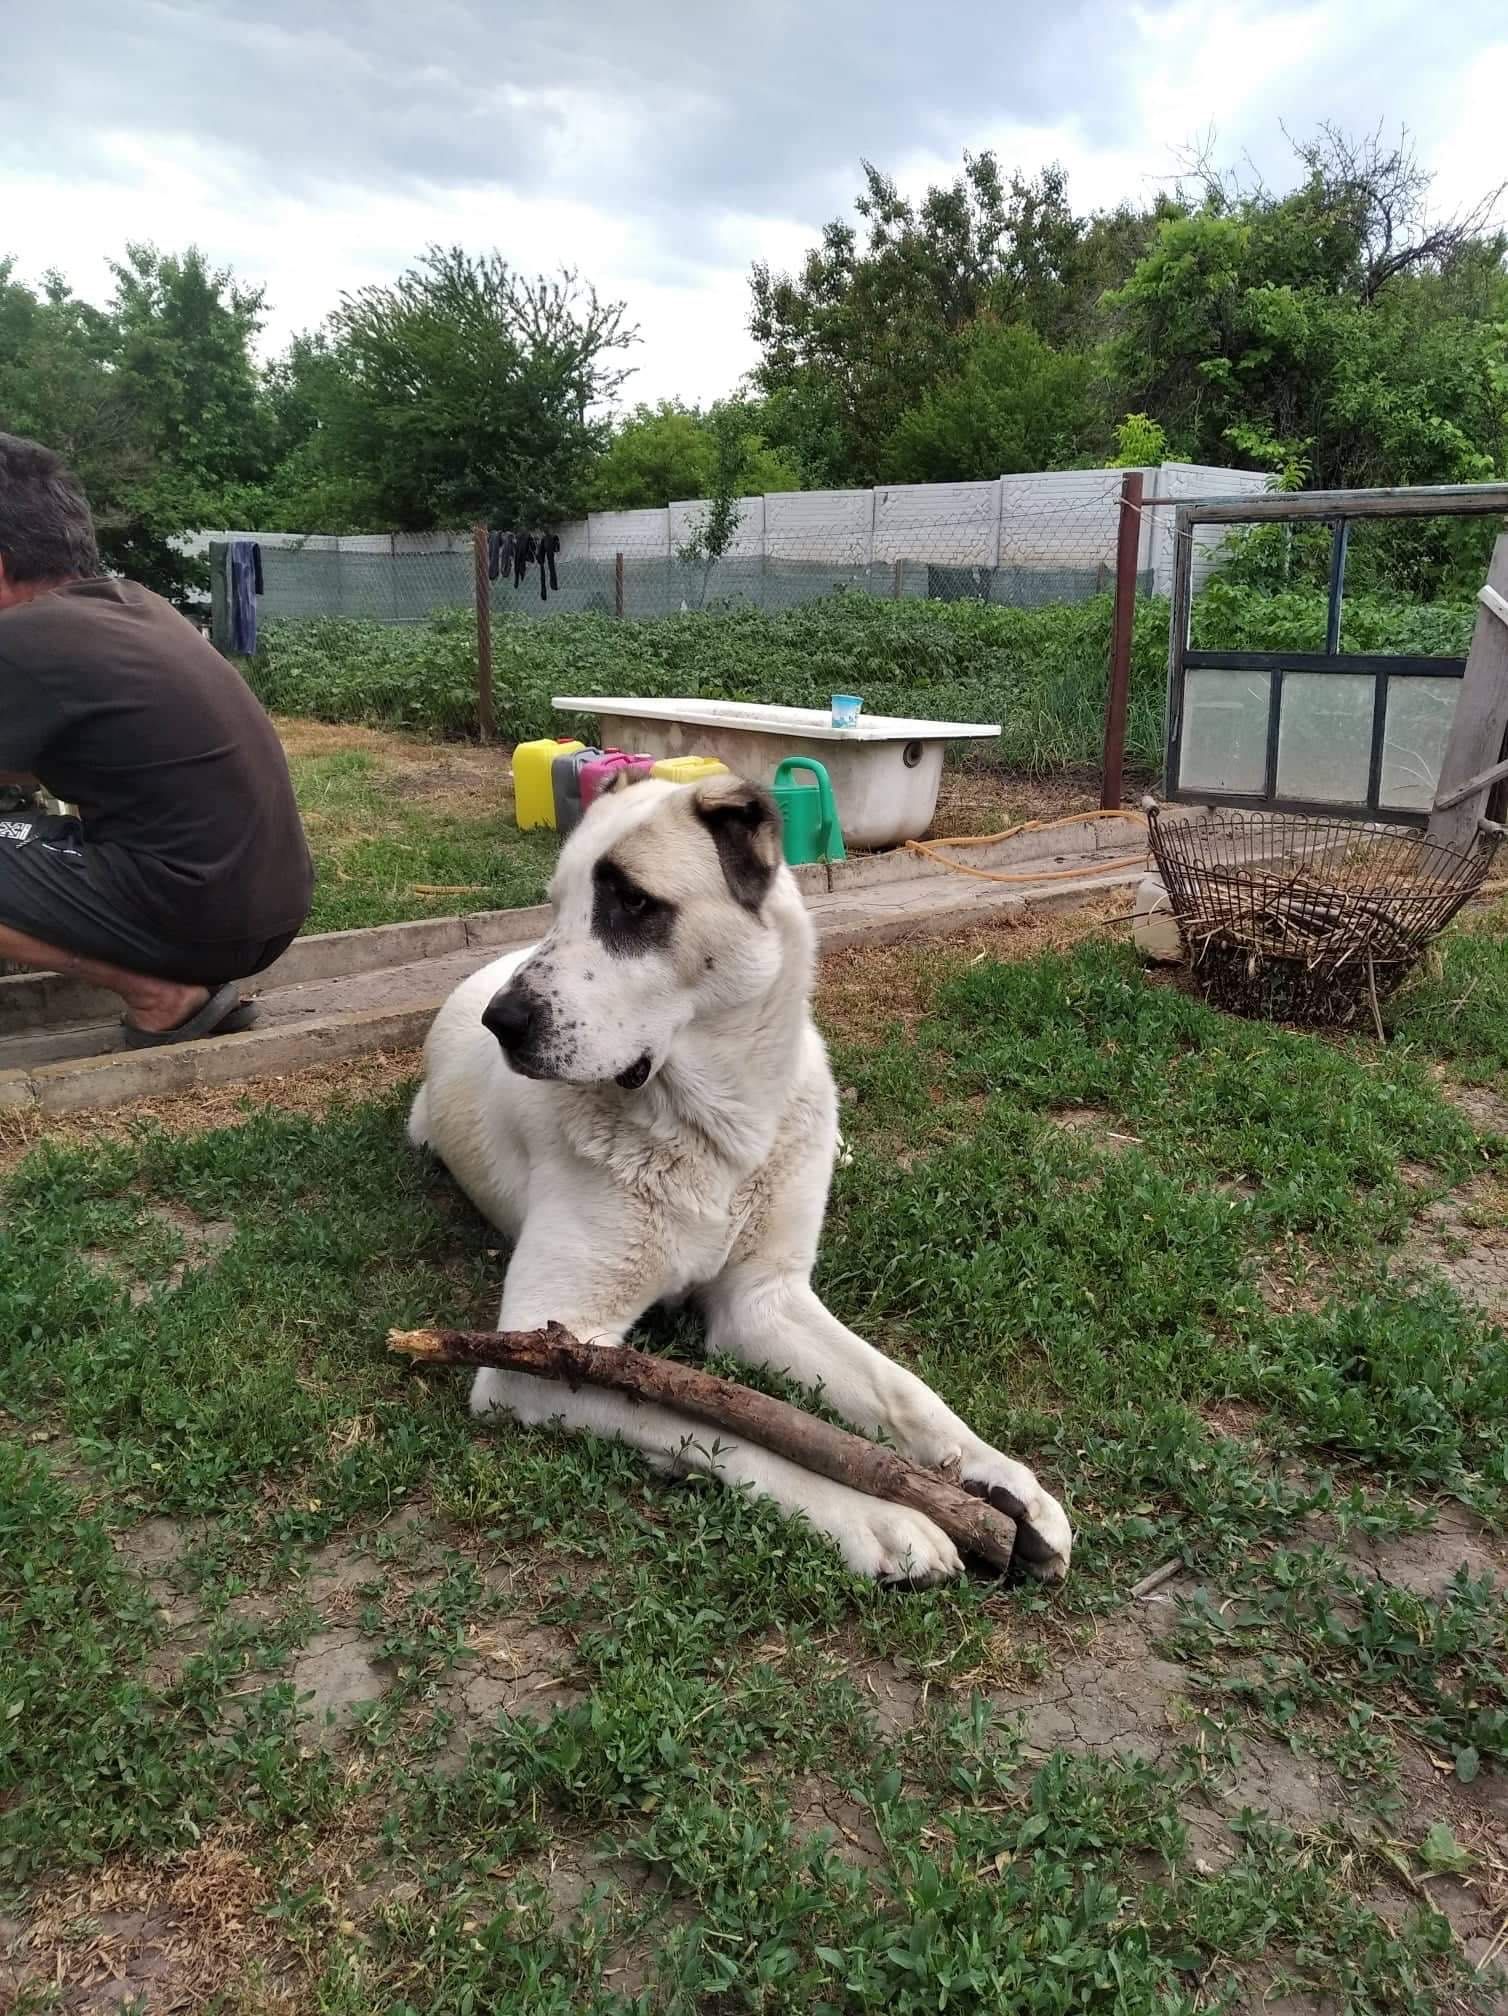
(185,333)
(304,490)
(862,334)
(64,381)
(656,453)
(716,526)
(59,383)
(1139,444)
(154,401)
(1011,404)
(1333,331)
(1367,202)
(873,325)
(466,391)
(660,454)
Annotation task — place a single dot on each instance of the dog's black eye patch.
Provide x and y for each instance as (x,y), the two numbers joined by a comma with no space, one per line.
(626,919)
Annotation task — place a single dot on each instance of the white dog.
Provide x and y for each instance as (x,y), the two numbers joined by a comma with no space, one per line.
(643,1103)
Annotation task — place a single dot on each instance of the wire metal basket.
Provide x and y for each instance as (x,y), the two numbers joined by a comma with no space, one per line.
(1308,920)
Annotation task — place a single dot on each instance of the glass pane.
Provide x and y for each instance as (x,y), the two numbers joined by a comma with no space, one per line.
(1325,736)
(1420,712)
(1224,731)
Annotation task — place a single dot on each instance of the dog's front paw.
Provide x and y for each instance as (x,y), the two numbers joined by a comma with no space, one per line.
(891,1543)
(486,1392)
(1044,1538)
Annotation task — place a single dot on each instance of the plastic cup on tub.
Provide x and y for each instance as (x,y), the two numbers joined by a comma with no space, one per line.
(846,710)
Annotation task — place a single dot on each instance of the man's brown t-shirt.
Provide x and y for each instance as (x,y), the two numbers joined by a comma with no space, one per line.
(122,708)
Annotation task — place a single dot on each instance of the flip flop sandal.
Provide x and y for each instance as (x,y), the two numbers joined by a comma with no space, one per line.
(222,1015)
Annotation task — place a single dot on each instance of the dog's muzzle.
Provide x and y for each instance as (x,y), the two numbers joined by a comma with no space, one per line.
(521,1023)
(637,1073)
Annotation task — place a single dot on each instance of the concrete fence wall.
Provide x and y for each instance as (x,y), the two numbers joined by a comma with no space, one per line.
(1024,539)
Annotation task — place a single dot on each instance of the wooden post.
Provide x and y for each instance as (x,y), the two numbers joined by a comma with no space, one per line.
(1481,721)
(486,725)
(618,584)
(1126,546)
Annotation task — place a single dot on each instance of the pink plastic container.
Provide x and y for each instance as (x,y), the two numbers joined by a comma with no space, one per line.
(596,773)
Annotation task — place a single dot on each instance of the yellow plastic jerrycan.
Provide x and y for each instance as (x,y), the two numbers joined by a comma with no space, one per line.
(688,769)
(533,788)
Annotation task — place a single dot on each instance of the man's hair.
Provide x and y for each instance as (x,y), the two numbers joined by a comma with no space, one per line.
(46,531)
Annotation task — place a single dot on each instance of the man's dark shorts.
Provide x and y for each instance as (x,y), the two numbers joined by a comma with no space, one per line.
(49,890)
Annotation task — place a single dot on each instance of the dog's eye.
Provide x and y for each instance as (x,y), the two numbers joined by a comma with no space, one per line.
(628,919)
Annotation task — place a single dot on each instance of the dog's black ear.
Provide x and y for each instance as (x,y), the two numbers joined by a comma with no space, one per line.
(744,822)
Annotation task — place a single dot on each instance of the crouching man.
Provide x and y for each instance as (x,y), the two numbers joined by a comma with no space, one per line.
(186,870)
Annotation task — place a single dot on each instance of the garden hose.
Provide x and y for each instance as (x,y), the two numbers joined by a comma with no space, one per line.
(931,849)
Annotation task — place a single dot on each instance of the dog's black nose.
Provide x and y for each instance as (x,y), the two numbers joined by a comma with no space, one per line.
(512,1015)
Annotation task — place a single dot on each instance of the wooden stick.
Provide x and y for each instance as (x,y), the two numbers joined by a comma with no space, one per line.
(972,1523)
(1150,1584)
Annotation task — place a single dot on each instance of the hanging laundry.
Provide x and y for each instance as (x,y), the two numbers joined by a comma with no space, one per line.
(244,560)
(525,553)
(549,546)
(499,555)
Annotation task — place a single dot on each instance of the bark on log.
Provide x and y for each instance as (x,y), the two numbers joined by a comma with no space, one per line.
(974,1525)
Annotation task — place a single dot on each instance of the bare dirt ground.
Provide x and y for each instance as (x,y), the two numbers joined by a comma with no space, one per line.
(465,779)
(174,1934)
(987,801)
(457,777)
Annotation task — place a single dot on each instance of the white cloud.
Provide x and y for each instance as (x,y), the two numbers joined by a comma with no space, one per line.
(1468,152)
(691,315)
(660,162)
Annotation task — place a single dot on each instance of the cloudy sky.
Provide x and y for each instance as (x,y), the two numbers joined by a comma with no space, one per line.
(660,146)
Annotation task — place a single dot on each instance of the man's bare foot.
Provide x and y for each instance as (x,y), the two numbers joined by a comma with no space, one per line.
(160,1005)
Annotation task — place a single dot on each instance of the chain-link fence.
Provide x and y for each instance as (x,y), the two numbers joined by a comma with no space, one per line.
(1019,542)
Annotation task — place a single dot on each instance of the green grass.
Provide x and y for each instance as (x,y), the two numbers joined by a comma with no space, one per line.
(1041,673)
(1093,1308)
(381,858)
(1459,1013)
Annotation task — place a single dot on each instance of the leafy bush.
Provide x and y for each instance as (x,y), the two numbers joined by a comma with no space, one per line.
(1231,617)
(1041,673)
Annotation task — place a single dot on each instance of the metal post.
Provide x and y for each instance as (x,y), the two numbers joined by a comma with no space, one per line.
(1126,546)
(900,576)
(486,725)
(618,584)
(1339,539)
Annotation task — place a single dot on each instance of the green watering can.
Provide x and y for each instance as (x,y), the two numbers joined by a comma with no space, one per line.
(809,818)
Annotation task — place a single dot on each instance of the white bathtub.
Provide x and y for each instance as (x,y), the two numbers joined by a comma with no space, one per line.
(885,771)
